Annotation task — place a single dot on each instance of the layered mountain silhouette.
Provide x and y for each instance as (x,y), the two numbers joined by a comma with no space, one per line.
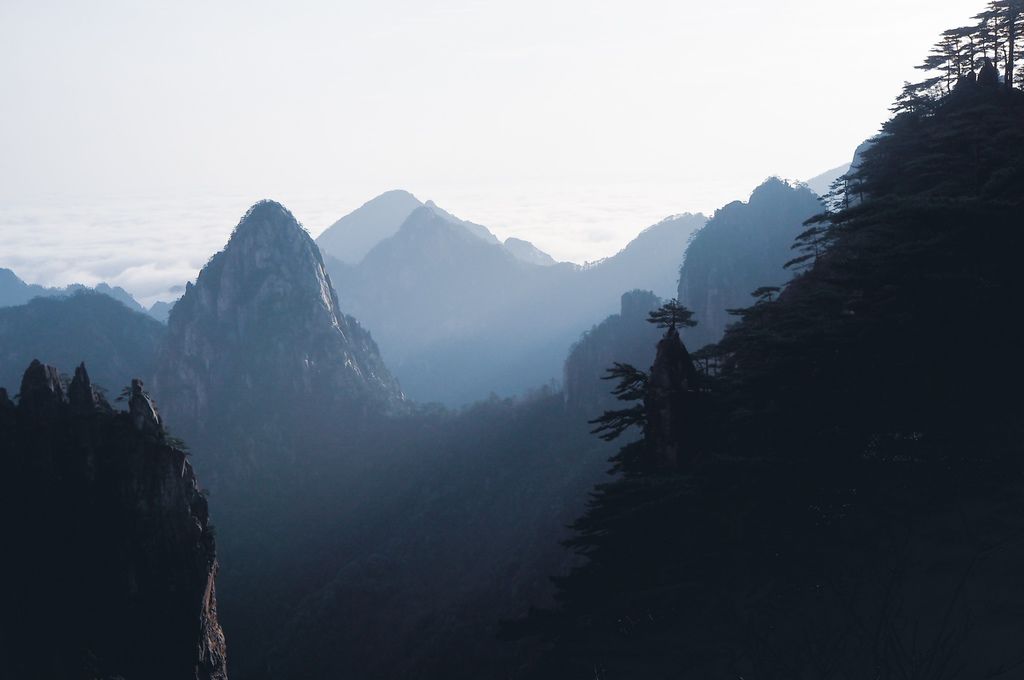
(353,236)
(527,252)
(14,291)
(743,247)
(459,315)
(350,238)
(113,340)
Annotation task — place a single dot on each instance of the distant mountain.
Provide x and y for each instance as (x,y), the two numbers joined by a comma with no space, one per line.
(351,237)
(116,292)
(648,262)
(527,252)
(116,342)
(117,558)
(820,184)
(161,310)
(14,291)
(260,338)
(459,316)
(478,230)
(742,248)
(625,338)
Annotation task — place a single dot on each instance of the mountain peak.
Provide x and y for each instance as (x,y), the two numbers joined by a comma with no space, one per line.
(41,387)
(774,188)
(527,252)
(355,234)
(478,230)
(263,318)
(269,218)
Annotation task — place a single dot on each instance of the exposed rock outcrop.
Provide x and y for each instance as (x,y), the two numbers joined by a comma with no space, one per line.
(670,405)
(110,558)
(41,390)
(988,76)
(261,334)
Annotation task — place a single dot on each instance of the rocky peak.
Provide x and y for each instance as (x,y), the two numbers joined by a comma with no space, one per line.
(143,411)
(635,305)
(81,394)
(118,559)
(41,388)
(269,255)
(673,369)
(624,338)
(988,76)
(262,332)
(670,402)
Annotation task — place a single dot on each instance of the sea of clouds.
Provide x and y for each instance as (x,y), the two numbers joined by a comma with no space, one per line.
(152,245)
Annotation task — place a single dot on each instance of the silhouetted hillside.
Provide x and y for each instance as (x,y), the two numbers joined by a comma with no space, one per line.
(110,560)
(85,326)
(742,248)
(842,505)
(14,291)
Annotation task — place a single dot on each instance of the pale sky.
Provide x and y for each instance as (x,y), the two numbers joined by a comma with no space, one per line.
(573,123)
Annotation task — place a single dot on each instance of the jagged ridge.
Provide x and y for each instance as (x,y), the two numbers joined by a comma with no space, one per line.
(111,554)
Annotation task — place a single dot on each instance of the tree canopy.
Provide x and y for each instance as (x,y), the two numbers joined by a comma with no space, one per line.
(672,315)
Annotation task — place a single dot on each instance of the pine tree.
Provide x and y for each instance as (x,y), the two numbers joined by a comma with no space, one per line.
(672,315)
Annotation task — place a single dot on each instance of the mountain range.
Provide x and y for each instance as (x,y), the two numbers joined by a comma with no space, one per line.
(330,482)
(14,291)
(459,314)
(116,342)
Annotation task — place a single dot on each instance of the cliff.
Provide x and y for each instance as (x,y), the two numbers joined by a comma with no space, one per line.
(742,247)
(625,338)
(261,335)
(110,555)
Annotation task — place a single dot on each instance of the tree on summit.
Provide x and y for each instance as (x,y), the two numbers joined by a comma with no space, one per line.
(973,53)
(672,315)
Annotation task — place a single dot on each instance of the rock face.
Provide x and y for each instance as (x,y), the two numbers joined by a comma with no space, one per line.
(742,247)
(670,404)
(625,338)
(110,557)
(261,333)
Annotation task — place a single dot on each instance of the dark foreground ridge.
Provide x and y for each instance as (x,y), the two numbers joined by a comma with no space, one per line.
(110,557)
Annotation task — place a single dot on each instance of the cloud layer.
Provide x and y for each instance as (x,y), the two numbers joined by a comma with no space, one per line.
(152,246)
